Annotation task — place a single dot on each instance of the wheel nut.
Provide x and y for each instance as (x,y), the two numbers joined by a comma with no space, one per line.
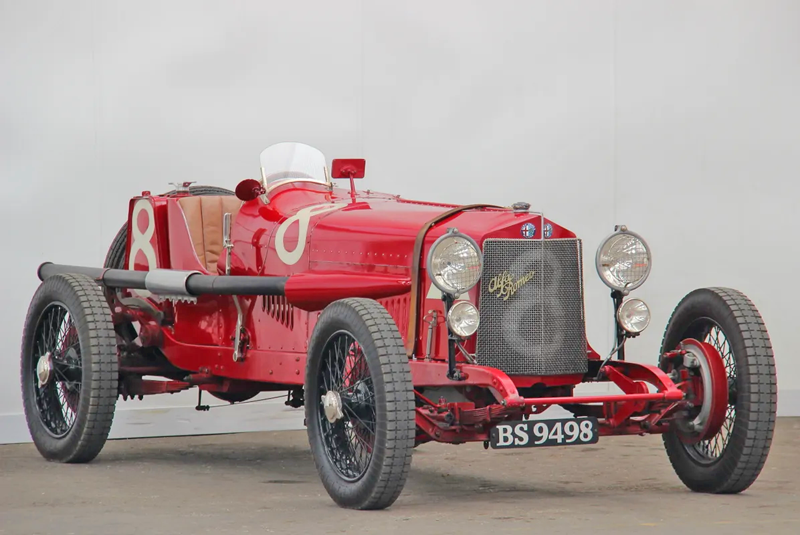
(44,369)
(332,405)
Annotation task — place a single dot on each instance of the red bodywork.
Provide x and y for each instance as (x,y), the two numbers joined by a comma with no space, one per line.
(334,243)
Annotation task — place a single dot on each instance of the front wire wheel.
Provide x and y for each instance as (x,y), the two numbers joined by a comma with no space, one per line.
(711,450)
(731,460)
(347,396)
(359,404)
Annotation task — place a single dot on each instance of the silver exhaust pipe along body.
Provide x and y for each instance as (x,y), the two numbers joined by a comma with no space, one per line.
(173,282)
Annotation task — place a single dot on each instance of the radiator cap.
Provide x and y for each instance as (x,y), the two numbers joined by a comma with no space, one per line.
(521,206)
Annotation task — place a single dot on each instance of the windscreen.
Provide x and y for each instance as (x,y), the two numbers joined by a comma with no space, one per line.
(292,161)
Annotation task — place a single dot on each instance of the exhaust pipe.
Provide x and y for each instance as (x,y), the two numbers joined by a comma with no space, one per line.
(173,282)
(307,291)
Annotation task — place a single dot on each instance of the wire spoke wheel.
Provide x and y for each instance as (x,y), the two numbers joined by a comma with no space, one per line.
(69,368)
(731,459)
(350,439)
(711,450)
(57,382)
(359,404)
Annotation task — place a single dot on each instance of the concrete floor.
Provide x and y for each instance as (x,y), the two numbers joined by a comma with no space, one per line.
(267,483)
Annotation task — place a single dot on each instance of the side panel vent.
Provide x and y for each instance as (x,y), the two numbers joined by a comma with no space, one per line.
(279,308)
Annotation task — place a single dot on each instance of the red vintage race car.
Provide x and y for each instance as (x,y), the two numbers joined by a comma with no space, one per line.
(393,322)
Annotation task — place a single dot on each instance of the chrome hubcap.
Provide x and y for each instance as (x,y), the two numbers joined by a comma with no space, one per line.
(332,405)
(44,369)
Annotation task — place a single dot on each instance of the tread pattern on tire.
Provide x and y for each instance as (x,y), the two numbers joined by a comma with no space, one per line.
(104,371)
(99,347)
(758,392)
(399,421)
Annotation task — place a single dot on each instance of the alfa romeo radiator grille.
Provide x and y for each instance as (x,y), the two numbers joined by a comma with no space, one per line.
(531,307)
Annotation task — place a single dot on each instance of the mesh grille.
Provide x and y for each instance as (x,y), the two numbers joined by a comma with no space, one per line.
(531,306)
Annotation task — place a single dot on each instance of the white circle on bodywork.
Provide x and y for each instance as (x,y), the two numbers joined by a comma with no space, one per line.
(303,218)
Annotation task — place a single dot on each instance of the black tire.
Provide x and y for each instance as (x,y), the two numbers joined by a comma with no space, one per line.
(115,258)
(731,460)
(382,379)
(69,417)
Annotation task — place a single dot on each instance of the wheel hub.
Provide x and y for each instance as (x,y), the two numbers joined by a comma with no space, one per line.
(694,360)
(704,361)
(44,369)
(332,405)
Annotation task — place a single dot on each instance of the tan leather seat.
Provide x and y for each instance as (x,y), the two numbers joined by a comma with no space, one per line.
(204,219)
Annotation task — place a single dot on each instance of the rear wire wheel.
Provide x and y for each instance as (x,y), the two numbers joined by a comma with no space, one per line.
(69,369)
(731,460)
(60,366)
(359,404)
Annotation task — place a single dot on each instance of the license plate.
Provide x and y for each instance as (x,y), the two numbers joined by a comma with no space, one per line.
(535,433)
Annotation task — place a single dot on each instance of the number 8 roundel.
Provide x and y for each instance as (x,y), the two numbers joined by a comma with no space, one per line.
(141,240)
(143,227)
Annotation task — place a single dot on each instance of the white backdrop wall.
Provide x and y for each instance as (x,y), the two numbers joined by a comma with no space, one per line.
(679,119)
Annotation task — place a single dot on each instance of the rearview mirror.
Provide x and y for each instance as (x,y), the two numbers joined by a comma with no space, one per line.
(348,168)
(248,189)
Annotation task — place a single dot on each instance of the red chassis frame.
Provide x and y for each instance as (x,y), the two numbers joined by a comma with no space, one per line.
(464,422)
(636,411)
(205,361)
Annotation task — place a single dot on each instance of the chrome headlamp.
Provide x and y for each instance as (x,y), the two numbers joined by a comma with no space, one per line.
(633,316)
(623,260)
(455,263)
(463,319)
